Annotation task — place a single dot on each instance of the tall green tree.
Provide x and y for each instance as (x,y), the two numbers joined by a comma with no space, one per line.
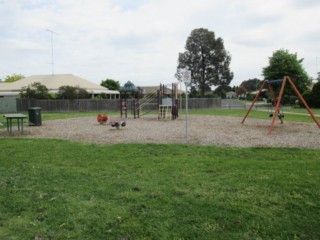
(241,91)
(207,59)
(110,84)
(251,84)
(13,77)
(283,63)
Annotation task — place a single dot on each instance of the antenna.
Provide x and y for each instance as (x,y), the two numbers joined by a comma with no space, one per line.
(52,61)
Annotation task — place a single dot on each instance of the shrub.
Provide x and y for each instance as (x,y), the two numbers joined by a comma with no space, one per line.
(316,95)
(307,95)
(35,90)
(69,92)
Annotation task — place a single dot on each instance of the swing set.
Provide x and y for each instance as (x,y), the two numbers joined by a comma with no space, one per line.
(277,101)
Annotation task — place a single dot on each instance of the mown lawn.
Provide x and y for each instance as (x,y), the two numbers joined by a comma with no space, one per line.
(56,189)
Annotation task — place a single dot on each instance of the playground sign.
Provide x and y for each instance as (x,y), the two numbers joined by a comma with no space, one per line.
(186,76)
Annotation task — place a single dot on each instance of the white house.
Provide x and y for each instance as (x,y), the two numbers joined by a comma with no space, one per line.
(231,94)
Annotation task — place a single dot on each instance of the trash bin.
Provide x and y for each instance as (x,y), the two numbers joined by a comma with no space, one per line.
(34,116)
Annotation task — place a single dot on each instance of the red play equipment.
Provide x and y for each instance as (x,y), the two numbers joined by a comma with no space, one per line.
(102,119)
(277,101)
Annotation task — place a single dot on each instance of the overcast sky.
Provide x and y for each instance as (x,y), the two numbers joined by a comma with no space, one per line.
(139,40)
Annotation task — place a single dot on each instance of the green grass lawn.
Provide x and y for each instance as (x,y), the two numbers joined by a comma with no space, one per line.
(56,189)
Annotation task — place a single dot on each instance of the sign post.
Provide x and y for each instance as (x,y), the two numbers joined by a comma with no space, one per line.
(186,78)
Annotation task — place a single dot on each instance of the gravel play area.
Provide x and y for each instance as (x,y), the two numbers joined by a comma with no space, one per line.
(202,130)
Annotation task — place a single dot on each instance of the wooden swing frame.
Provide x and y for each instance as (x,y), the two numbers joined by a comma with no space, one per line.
(277,101)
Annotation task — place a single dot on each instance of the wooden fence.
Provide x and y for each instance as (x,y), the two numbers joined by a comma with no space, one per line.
(94,105)
(8,104)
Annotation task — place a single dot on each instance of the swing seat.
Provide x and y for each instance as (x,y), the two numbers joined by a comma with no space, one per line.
(271,115)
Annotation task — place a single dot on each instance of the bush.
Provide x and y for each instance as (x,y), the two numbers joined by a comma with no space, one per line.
(308,97)
(285,99)
(312,97)
(316,95)
(293,100)
(69,92)
(250,97)
(35,91)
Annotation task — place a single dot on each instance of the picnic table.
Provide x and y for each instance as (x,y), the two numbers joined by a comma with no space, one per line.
(19,117)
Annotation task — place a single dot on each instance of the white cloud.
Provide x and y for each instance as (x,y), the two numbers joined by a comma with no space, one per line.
(140,40)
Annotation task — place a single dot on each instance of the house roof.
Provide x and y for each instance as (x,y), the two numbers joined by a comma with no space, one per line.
(2,84)
(54,82)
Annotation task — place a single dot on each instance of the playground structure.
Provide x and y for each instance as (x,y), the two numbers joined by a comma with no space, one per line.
(129,91)
(164,100)
(167,103)
(277,101)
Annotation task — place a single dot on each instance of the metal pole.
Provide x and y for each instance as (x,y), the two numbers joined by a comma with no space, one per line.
(186,78)
(52,59)
(186,111)
(180,83)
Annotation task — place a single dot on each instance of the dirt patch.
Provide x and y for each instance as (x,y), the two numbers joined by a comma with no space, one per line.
(202,130)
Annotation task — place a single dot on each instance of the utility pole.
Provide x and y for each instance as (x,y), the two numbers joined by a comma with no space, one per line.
(52,59)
